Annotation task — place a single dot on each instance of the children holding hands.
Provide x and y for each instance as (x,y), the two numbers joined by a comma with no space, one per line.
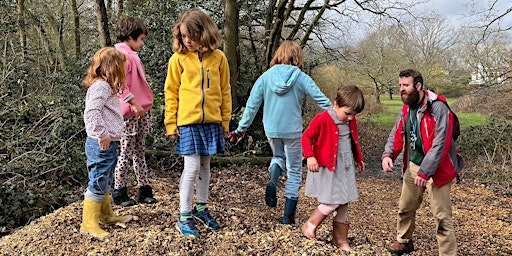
(281,90)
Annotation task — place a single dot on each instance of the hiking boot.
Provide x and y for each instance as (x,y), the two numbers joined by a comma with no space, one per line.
(120,197)
(187,228)
(398,248)
(205,218)
(145,195)
(271,189)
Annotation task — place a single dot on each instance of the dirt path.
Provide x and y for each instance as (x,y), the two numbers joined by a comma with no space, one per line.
(482,222)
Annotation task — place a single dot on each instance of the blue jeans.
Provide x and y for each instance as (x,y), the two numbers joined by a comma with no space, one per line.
(288,153)
(101,165)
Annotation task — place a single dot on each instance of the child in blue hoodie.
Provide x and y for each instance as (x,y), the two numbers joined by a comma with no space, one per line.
(282,88)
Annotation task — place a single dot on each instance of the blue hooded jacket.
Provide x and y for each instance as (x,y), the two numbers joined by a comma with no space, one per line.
(282,89)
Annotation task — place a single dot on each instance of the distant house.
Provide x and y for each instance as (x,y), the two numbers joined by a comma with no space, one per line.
(489,75)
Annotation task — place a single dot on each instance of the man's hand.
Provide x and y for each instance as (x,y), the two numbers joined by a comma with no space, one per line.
(387,164)
(236,136)
(419,181)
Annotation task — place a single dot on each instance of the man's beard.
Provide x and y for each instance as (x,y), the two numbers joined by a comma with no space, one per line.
(411,98)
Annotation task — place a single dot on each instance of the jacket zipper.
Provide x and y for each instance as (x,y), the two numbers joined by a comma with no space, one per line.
(202,86)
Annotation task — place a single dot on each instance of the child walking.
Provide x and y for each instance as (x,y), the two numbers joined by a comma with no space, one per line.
(104,126)
(197,111)
(136,102)
(331,146)
(283,88)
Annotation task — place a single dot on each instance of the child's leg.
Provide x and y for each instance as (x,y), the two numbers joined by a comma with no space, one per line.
(139,150)
(320,213)
(277,165)
(203,180)
(126,148)
(293,152)
(192,165)
(200,211)
(101,168)
(340,229)
(185,223)
(120,193)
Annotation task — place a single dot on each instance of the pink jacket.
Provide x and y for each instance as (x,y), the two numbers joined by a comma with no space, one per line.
(320,140)
(136,85)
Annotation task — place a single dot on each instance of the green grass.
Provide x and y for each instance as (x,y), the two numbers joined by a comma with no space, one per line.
(388,117)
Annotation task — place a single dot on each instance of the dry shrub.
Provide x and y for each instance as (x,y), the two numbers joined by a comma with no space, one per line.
(488,151)
(493,102)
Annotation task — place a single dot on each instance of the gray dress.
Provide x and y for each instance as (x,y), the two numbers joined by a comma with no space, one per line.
(338,187)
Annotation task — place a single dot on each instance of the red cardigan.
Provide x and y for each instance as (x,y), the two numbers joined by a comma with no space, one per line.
(321,138)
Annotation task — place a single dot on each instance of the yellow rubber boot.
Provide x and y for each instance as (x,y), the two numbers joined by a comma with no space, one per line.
(90,220)
(108,216)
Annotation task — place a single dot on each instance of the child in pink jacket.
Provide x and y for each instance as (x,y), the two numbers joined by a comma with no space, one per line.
(136,103)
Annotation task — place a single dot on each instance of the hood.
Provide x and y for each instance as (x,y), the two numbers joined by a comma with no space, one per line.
(283,77)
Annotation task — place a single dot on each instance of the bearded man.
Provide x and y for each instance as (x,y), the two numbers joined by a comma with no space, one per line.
(423,133)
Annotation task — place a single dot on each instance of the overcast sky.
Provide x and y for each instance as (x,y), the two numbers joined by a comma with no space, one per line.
(456,10)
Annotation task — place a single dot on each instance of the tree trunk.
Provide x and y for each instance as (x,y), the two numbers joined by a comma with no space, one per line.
(21,24)
(275,33)
(231,49)
(76,28)
(102,18)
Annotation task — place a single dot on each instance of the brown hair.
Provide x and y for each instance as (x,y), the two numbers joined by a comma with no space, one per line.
(289,53)
(416,76)
(127,27)
(107,64)
(350,96)
(201,28)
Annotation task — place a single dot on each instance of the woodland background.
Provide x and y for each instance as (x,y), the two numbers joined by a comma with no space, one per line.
(46,47)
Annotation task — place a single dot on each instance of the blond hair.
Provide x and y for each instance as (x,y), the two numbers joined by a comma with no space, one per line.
(201,28)
(107,64)
(289,53)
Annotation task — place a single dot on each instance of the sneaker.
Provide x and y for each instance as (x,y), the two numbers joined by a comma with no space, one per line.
(398,248)
(187,228)
(205,218)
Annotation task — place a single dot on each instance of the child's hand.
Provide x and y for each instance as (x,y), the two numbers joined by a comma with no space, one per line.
(174,136)
(139,111)
(148,78)
(104,143)
(312,164)
(236,136)
(361,167)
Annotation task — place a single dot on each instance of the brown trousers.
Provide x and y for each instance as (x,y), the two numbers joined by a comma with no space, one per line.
(440,206)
